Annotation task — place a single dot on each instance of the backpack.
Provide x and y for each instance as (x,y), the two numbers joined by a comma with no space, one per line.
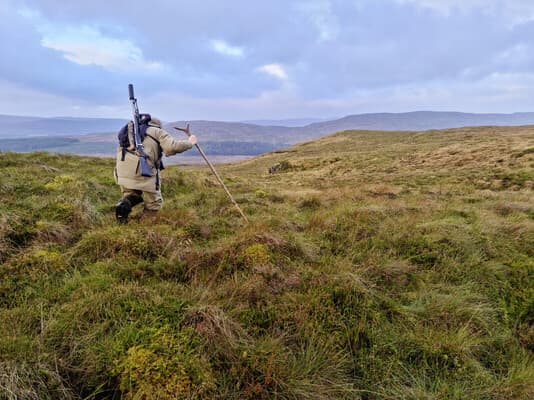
(124,138)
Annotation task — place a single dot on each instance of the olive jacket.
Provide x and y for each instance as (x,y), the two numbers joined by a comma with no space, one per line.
(127,171)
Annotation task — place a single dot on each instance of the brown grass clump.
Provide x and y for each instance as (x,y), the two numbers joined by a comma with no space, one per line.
(53,232)
(135,241)
(5,230)
(217,329)
(509,208)
(32,382)
(254,246)
(384,190)
(396,275)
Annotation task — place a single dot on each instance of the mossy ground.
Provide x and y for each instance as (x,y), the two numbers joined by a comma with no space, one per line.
(377,265)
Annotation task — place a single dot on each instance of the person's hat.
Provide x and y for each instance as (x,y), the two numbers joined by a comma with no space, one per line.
(154,122)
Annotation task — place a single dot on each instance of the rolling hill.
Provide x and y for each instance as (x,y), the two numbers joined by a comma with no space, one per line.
(376,265)
(227,139)
(418,120)
(270,131)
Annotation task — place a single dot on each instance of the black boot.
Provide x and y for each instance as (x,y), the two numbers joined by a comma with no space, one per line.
(135,198)
(124,207)
(122,210)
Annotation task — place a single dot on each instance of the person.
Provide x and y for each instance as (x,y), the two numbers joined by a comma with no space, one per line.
(135,188)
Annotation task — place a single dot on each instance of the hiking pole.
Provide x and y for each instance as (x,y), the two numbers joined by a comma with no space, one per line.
(188,133)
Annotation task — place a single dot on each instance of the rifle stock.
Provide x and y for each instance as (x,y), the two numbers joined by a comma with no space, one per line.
(145,167)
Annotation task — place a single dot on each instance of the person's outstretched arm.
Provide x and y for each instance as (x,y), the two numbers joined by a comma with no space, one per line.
(171,146)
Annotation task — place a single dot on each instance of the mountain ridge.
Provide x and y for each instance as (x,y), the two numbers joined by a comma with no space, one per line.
(26,126)
(225,138)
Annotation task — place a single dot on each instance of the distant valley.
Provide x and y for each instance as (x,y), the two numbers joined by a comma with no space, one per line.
(98,135)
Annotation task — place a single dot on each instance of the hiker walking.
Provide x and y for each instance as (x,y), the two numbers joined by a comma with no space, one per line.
(136,184)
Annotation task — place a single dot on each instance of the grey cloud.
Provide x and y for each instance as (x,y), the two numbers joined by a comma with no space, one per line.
(332,50)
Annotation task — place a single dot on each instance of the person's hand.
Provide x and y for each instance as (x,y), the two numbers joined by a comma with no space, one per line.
(193,140)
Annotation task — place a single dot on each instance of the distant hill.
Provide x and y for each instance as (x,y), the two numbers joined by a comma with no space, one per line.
(272,131)
(411,121)
(224,137)
(293,122)
(417,121)
(20,127)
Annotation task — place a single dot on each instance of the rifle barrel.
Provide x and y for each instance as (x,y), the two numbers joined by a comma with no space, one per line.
(143,163)
(131,91)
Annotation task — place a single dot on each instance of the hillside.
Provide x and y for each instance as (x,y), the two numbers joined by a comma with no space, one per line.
(418,120)
(88,135)
(377,265)
(292,122)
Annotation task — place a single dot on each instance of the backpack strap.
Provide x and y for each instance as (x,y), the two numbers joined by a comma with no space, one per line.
(160,152)
(125,144)
(154,139)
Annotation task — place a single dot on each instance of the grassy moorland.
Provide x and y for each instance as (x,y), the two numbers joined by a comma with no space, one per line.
(377,265)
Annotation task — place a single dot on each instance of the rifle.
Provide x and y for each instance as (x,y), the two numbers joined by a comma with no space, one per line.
(143,163)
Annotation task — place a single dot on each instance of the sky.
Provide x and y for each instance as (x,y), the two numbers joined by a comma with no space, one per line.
(276,59)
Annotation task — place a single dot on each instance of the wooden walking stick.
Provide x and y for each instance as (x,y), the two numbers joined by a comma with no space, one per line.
(188,133)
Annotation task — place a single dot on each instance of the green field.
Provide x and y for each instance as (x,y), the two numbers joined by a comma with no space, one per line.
(376,265)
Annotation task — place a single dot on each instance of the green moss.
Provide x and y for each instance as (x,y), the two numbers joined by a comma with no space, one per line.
(61,183)
(256,254)
(165,366)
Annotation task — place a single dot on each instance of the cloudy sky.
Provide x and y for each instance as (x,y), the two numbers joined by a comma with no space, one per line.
(246,59)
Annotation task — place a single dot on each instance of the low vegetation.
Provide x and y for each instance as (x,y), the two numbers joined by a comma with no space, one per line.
(376,265)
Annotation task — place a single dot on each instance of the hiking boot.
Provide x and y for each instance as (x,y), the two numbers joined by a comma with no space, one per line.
(122,210)
(147,215)
(134,198)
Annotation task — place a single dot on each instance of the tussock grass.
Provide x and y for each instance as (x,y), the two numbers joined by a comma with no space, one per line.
(32,382)
(377,265)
